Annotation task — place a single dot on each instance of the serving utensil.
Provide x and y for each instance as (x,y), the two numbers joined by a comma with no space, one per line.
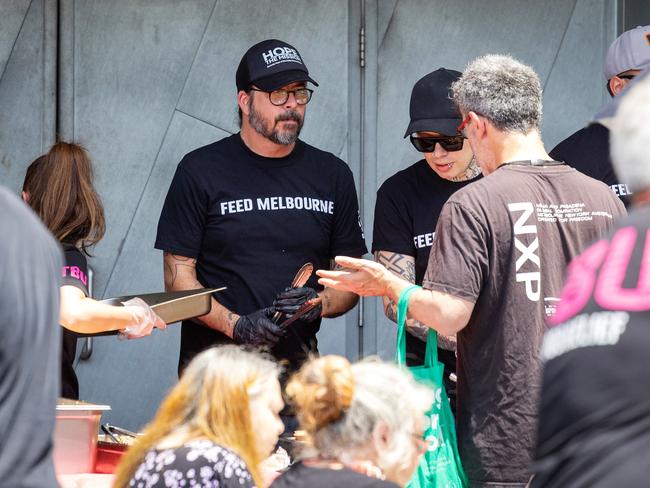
(306,307)
(301,278)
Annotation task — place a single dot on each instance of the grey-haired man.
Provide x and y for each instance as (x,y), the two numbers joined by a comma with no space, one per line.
(496,267)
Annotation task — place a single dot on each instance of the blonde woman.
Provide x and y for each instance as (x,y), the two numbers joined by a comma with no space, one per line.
(214,428)
(364,421)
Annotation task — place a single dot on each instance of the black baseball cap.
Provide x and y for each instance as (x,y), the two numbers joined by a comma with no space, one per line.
(270,65)
(432,108)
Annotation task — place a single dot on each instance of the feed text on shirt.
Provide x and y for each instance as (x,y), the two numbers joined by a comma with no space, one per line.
(276,203)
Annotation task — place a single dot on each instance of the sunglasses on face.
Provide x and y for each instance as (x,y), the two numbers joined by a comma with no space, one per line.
(428,144)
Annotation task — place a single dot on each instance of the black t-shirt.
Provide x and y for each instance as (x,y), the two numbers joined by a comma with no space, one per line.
(503,243)
(75,273)
(251,222)
(406,214)
(299,475)
(29,346)
(588,151)
(594,425)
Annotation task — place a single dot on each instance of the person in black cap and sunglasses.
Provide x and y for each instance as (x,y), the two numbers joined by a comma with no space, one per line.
(249,210)
(409,202)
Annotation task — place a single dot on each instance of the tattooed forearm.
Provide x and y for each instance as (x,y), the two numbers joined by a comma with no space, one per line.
(390,310)
(336,303)
(448,343)
(176,266)
(404,266)
(418,330)
(400,264)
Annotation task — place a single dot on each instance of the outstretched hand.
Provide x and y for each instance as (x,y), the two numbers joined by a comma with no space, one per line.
(360,276)
(144,320)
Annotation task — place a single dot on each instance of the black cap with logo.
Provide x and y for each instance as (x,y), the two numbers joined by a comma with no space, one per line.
(270,65)
(432,108)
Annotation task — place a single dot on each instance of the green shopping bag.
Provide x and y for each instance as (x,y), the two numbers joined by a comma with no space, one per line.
(440,465)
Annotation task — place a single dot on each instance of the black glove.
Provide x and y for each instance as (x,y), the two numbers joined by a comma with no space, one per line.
(257,329)
(291,299)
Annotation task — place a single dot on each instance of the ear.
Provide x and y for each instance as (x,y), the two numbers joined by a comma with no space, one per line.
(243,100)
(381,437)
(25,196)
(479,125)
(616,85)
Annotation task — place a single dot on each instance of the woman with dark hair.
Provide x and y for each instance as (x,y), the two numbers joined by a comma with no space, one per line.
(58,186)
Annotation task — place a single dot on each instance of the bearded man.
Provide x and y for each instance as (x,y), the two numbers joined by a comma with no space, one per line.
(249,210)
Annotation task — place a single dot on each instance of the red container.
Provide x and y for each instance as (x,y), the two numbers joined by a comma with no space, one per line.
(108,457)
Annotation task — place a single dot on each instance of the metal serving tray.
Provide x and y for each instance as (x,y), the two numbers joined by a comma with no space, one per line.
(174,306)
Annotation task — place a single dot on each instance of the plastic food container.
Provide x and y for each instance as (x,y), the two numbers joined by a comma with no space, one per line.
(108,457)
(75,436)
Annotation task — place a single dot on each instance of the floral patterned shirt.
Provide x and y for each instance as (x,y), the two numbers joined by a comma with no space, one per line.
(199,463)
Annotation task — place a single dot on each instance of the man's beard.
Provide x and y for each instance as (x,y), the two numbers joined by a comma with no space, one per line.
(285,137)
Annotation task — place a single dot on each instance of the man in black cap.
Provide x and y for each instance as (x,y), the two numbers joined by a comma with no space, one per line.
(587,150)
(249,210)
(409,202)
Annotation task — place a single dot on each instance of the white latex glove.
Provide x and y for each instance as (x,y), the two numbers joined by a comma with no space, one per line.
(144,320)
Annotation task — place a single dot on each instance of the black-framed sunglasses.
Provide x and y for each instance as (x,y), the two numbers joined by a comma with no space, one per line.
(428,144)
(280,97)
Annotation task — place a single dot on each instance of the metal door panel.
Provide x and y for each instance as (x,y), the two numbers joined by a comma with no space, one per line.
(130,60)
(27,82)
(575,88)
(12,16)
(133,376)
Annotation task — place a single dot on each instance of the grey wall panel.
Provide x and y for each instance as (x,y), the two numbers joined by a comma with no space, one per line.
(130,62)
(133,376)
(12,15)
(26,99)
(575,89)
(323,43)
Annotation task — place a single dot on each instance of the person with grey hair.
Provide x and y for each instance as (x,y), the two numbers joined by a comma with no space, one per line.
(594,426)
(587,150)
(364,422)
(496,268)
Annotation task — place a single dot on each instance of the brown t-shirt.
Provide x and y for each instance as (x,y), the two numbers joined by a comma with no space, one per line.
(504,243)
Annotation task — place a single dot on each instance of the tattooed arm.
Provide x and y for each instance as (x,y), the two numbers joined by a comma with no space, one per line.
(403,266)
(335,302)
(180,274)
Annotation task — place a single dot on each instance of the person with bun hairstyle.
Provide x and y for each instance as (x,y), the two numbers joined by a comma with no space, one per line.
(58,186)
(364,424)
(214,428)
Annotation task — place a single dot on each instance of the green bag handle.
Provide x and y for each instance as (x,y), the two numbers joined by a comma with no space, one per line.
(431,354)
